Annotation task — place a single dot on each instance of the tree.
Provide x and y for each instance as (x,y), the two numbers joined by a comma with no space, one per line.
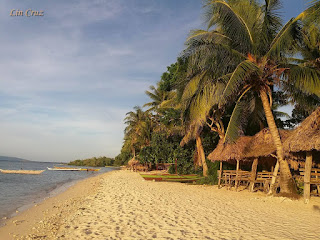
(138,131)
(158,96)
(252,36)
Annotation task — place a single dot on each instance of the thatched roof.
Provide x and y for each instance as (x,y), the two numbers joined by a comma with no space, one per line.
(133,161)
(230,152)
(262,145)
(246,147)
(306,137)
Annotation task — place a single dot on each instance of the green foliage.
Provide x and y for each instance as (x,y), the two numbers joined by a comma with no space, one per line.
(212,178)
(168,78)
(184,160)
(300,187)
(94,162)
(175,72)
(164,149)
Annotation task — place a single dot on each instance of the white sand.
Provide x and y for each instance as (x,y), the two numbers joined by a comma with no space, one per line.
(125,206)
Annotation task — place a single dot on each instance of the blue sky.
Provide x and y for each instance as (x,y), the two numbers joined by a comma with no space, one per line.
(68,78)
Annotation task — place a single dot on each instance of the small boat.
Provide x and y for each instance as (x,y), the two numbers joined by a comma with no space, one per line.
(90,169)
(64,169)
(35,172)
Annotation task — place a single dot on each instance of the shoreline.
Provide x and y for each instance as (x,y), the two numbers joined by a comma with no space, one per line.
(18,224)
(121,205)
(44,194)
(60,188)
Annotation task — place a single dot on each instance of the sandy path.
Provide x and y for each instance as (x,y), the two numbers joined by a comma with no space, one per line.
(125,206)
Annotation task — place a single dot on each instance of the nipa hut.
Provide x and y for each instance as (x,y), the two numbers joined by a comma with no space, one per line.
(259,147)
(133,163)
(306,139)
(230,153)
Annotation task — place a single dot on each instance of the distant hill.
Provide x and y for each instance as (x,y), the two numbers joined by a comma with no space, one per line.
(5,158)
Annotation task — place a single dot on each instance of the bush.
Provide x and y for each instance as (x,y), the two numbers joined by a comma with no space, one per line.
(212,178)
(163,149)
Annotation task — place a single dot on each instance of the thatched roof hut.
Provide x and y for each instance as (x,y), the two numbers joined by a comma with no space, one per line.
(133,162)
(306,137)
(230,152)
(262,145)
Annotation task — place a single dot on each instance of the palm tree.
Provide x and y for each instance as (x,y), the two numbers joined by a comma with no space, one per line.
(199,95)
(251,37)
(138,131)
(158,96)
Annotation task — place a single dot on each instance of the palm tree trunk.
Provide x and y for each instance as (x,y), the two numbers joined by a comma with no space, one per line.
(134,152)
(287,184)
(236,183)
(202,156)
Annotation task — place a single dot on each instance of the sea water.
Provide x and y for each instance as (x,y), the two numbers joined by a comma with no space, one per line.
(20,190)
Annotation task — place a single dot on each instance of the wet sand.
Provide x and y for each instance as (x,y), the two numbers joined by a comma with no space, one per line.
(121,205)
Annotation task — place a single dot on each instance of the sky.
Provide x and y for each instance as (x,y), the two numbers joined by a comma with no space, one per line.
(69,77)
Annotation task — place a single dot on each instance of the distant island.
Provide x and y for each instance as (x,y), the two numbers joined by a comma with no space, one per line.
(6,158)
(94,162)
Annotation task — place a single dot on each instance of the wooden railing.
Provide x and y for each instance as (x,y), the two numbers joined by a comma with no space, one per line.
(314,177)
(235,178)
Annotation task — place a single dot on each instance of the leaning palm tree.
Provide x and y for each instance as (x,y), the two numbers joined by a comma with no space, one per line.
(199,95)
(253,36)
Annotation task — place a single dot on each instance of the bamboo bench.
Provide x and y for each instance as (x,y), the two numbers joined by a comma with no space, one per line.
(315,177)
(235,178)
(263,179)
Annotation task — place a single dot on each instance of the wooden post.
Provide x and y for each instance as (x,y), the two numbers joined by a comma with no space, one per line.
(237,175)
(220,175)
(253,174)
(307,177)
(274,178)
(317,180)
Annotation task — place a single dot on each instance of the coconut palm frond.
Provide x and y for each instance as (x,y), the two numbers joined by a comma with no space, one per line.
(306,79)
(234,128)
(207,36)
(301,98)
(312,14)
(238,77)
(192,87)
(187,138)
(153,95)
(233,23)
(271,24)
(286,38)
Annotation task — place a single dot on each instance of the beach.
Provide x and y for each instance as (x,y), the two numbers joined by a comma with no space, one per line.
(122,205)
